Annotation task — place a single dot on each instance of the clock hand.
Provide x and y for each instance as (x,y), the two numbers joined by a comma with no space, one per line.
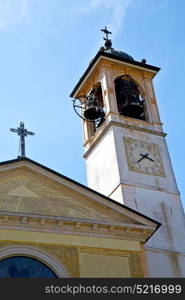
(143,156)
(150,158)
(140,159)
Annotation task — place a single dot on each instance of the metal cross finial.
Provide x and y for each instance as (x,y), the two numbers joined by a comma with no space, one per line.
(108,42)
(22,132)
(105,30)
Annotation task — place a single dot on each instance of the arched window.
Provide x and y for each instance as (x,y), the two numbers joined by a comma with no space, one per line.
(92,126)
(129,99)
(97,92)
(24,267)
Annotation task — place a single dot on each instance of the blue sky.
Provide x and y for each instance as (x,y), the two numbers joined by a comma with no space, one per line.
(46,46)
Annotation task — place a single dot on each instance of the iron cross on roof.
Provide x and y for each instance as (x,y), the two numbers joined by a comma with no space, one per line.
(105,30)
(22,132)
(108,42)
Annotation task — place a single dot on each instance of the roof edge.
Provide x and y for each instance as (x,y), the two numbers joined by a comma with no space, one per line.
(112,56)
(19,159)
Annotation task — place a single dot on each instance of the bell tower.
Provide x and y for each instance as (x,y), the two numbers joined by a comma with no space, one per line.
(125,150)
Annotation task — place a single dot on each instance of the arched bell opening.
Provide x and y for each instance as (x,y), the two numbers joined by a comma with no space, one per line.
(98,93)
(93,113)
(130,100)
(94,110)
(90,107)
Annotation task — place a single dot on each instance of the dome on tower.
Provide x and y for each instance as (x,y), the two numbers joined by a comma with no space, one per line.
(119,53)
(108,47)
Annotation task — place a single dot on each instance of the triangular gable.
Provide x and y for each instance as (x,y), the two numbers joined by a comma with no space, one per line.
(28,187)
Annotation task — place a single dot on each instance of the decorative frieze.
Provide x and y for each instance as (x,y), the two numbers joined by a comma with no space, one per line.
(73,226)
(60,223)
(24,220)
(5,218)
(95,226)
(77,225)
(111,228)
(43,221)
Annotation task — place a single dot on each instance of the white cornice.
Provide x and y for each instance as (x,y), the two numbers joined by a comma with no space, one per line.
(38,223)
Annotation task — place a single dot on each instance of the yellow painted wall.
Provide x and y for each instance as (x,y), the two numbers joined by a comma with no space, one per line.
(82,256)
(94,265)
(75,240)
(84,251)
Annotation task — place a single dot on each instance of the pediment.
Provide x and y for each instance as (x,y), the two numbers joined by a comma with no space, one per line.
(26,188)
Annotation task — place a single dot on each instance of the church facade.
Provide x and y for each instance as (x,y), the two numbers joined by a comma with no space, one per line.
(129,221)
(70,229)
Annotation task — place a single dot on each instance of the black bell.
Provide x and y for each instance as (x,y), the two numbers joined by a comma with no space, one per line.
(93,110)
(130,104)
(134,110)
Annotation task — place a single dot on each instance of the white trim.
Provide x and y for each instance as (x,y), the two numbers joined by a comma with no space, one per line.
(165,251)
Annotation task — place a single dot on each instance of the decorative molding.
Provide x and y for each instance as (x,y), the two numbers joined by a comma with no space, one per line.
(104,251)
(111,228)
(68,256)
(24,220)
(99,134)
(165,251)
(146,186)
(134,258)
(129,143)
(60,223)
(42,221)
(28,222)
(56,260)
(77,225)
(135,265)
(95,226)
(5,218)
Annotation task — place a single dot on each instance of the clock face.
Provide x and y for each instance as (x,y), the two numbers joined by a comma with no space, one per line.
(143,157)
